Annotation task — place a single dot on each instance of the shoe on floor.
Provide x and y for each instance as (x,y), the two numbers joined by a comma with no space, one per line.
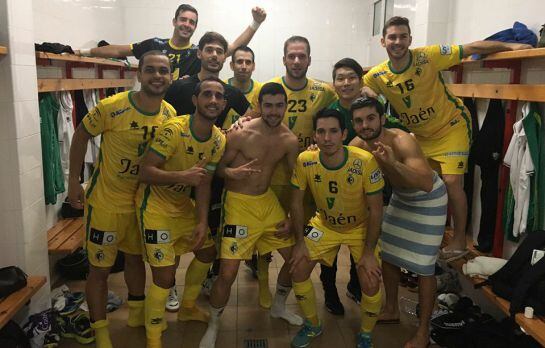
(364,340)
(333,303)
(173,304)
(306,334)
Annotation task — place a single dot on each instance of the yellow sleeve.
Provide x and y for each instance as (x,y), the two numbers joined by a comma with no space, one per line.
(372,177)
(298,178)
(331,95)
(217,152)
(96,121)
(370,82)
(164,143)
(445,56)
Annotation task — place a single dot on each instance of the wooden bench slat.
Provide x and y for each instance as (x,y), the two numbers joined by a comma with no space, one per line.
(66,233)
(10,305)
(58,228)
(72,243)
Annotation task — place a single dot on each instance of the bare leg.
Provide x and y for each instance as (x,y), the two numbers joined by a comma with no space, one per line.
(390,277)
(135,274)
(427,285)
(458,204)
(96,292)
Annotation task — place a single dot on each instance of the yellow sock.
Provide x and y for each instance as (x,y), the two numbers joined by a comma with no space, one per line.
(195,275)
(370,309)
(265,297)
(136,313)
(155,312)
(102,336)
(304,293)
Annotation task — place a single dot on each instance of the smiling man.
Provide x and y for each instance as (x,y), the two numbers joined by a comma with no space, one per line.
(346,185)
(412,83)
(181,52)
(252,214)
(127,122)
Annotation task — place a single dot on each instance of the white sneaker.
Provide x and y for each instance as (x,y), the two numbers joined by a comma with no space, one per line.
(207,285)
(173,304)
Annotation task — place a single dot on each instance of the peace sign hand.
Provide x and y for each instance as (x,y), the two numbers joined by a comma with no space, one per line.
(242,172)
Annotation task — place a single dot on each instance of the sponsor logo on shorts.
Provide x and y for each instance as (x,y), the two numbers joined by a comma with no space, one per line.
(99,256)
(375,176)
(102,238)
(233,248)
(445,50)
(313,234)
(158,254)
(235,231)
(156,236)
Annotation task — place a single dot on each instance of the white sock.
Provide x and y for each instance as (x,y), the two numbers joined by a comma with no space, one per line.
(278,309)
(209,338)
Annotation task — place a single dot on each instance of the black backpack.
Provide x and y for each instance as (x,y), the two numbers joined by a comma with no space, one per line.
(520,282)
(12,336)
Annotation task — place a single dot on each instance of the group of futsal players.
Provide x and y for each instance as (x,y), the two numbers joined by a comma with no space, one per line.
(181,171)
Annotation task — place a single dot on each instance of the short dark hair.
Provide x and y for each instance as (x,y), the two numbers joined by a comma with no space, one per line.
(365,102)
(272,88)
(394,21)
(152,53)
(186,7)
(295,39)
(325,113)
(348,63)
(243,49)
(198,87)
(213,37)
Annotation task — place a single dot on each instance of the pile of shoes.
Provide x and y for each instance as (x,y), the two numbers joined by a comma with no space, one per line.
(71,319)
(464,325)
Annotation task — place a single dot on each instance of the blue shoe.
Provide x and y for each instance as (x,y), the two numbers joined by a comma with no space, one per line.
(364,340)
(306,334)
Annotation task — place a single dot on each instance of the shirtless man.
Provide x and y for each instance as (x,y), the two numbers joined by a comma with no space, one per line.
(253,216)
(414,222)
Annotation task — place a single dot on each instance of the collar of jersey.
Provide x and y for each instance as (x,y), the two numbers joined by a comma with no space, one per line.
(340,165)
(178,47)
(295,90)
(193,134)
(138,109)
(405,68)
(246,91)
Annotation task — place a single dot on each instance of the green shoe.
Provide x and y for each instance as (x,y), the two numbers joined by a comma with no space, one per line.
(364,340)
(306,334)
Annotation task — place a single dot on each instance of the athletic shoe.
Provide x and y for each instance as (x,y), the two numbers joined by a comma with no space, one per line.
(353,294)
(306,334)
(114,302)
(38,326)
(173,304)
(332,302)
(77,326)
(364,340)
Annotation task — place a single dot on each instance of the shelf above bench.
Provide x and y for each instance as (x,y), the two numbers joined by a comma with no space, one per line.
(88,60)
(51,85)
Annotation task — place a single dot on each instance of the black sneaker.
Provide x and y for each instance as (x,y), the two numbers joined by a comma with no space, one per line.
(333,303)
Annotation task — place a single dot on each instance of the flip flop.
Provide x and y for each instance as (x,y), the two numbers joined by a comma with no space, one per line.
(452,255)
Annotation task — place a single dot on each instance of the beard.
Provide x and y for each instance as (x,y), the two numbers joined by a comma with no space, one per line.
(375,134)
(302,73)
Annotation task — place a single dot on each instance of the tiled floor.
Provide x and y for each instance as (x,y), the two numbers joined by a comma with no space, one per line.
(243,318)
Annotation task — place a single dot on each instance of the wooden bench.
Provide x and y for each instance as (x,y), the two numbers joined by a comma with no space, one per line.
(11,304)
(534,327)
(66,236)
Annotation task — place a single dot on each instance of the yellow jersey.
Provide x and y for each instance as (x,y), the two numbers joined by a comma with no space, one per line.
(251,95)
(339,193)
(418,93)
(303,104)
(126,131)
(181,149)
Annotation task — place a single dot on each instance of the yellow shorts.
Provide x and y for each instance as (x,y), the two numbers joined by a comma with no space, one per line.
(165,237)
(106,232)
(323,243)
(449,154)
(283,193)
(250,223)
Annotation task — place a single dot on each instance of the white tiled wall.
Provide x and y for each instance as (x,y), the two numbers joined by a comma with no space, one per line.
(335,29)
